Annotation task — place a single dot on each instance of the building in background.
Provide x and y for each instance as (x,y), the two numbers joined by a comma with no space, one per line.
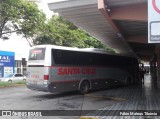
(10,65)
(21,66)
(7,60)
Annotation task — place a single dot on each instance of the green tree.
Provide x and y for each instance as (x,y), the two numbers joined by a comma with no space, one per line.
(21,17)
(59,31)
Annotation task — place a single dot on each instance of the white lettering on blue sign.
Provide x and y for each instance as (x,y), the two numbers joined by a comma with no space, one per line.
(4,59)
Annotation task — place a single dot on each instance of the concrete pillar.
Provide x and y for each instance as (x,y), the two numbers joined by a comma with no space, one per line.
(153,68)
(158,65)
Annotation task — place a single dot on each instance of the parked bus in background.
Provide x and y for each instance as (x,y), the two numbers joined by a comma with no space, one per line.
(60,69)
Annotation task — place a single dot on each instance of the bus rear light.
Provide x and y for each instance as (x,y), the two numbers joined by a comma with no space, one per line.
(46,77)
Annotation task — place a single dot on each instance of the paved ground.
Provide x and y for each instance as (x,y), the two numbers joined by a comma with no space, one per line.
(139,97)
(21,98)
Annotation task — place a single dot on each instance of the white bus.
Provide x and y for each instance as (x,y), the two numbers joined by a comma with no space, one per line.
(60,69)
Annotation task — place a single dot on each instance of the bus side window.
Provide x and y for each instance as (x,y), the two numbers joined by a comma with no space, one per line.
(86,59)
(56,56)
(78,58)
(53,57)
(59,54)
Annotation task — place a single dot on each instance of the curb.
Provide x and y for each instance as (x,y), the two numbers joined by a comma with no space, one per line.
(16,85)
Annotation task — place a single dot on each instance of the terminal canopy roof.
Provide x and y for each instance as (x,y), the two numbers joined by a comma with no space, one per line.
(121,24)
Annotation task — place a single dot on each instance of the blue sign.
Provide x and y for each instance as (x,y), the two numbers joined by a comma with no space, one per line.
(6,62)
(6,58)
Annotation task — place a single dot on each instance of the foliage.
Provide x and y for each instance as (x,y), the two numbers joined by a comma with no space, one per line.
(59,31)
(8,84)
(4,84)
(21,17)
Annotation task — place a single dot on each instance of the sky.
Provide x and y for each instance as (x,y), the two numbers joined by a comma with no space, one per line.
(18,44)
(43,5)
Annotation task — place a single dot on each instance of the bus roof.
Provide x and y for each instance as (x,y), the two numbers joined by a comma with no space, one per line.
(91,50)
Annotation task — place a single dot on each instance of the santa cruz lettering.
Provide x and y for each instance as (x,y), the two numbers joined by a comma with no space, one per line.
(75,70)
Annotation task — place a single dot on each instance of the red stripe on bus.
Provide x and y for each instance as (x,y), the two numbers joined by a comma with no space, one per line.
(62,81)
(77,80)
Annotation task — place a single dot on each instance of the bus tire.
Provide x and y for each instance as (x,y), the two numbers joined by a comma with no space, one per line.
(84,87)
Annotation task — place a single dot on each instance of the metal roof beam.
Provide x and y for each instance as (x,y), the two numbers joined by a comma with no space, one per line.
(137,39)
(134,13)
(105,13)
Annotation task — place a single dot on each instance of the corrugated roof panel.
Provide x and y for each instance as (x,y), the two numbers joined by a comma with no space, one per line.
(87,16)
(121,3)
(133,27)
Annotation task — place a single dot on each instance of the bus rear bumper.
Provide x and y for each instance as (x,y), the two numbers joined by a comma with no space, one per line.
(38,87)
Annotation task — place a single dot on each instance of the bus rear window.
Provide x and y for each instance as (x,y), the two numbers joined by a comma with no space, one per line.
(37,54)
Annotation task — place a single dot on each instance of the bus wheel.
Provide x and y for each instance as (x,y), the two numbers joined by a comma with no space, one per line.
(84,87)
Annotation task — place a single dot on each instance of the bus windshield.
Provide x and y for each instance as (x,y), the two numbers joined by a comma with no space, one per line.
(37,54)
